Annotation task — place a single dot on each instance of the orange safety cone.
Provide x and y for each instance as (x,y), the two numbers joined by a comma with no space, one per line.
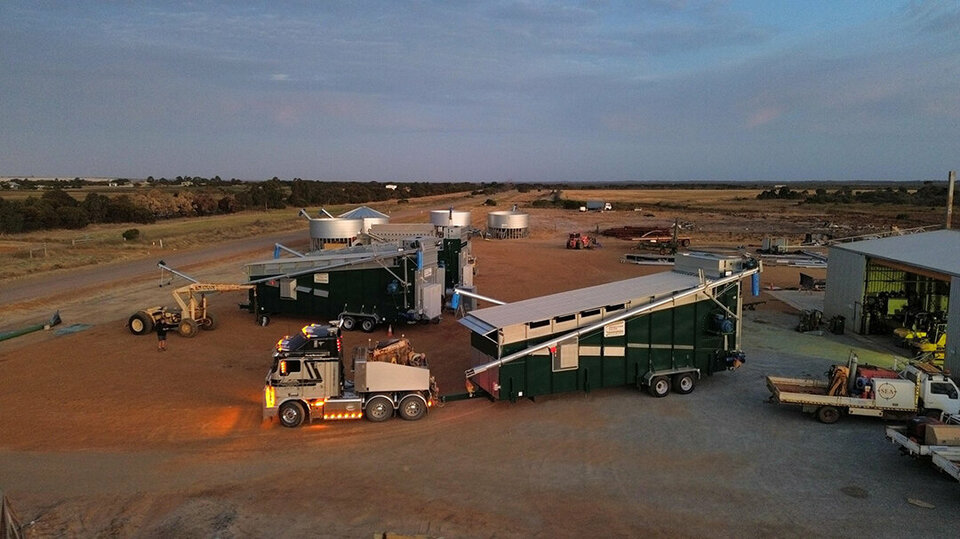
(390,330)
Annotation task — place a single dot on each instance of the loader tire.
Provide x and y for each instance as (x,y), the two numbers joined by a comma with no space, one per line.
(188,327)
(209,323)
(140,323)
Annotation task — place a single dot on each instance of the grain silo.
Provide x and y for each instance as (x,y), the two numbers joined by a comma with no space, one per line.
(508,224)
(332,232)
(450,217)
(369,216)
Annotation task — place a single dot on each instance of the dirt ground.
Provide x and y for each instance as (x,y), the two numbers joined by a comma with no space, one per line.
(101,435)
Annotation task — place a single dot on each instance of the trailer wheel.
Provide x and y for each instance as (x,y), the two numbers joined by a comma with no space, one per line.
(379,409)
(291,414)
(659,387)
(348,323)
(684,383)
(209,322)
(188,327)
(828,414)
(368,324)
(412,408)
(140,323)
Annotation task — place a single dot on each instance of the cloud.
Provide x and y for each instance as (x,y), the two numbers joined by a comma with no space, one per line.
(280,77)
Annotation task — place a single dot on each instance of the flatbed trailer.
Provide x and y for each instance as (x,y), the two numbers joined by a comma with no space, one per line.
(945,457)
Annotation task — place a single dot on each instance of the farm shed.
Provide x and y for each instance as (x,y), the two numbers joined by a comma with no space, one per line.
(911,281)
(636,331)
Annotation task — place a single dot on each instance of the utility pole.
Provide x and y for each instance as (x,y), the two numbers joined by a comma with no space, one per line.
(951,179)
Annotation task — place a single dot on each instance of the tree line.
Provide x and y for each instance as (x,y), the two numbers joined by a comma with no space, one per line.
(929,194)
(162,199)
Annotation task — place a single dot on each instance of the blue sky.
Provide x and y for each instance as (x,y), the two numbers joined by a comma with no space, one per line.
(482,91)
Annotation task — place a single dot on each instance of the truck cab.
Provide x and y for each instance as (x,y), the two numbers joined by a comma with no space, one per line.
(306,380)
(936,390)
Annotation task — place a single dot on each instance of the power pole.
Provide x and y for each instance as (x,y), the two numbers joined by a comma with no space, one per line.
(951,179)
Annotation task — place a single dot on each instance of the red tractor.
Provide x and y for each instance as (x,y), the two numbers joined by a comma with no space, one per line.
(578,241)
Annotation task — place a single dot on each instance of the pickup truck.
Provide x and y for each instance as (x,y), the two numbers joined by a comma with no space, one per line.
(869,391)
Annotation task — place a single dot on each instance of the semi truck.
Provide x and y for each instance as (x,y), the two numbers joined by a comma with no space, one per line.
(867,390)
(936,441)
(307,382)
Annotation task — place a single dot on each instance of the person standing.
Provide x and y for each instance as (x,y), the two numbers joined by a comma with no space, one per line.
(161,336)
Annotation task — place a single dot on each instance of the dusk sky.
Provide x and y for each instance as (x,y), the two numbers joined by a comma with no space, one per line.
(481,91)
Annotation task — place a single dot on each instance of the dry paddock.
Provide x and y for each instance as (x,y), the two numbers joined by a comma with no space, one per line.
(100,435)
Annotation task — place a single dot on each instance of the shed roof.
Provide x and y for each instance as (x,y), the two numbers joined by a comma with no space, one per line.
(937,251)
(632,292)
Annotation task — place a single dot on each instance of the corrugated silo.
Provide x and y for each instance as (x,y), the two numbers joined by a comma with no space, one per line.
(369,216)
(332,232)
(508,224)
(450,217)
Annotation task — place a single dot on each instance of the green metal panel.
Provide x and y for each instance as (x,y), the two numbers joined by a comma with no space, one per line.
(449,254)
(678,337)
(351,290)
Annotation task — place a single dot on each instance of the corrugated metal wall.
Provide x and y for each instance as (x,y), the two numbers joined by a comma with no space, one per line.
(845,284)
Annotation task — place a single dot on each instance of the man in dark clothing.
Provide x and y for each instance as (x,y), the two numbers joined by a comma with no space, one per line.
(161,336)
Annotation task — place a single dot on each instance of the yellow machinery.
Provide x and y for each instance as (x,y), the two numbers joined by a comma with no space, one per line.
(193,314)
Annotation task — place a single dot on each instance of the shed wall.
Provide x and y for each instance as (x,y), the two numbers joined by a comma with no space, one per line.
(844,292)
(952,353)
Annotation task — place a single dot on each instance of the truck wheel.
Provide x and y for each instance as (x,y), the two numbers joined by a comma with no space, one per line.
(209,323)
(291,414)
(684,383)
(188,327)
(412,408)
(368,324)
(348,323)
(379,409)
(828,414)
(659,387)
(140,323)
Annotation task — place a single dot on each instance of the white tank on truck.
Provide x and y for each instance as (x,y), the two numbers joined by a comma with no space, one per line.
(306,381)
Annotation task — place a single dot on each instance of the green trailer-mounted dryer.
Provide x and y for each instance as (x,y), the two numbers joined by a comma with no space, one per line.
(661,332)
(363,286)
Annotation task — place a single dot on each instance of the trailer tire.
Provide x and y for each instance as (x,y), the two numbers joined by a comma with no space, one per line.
(659,386)
(291,414)
(209,322)
(684,383)
(412,408)
(140,323)
(828,414)
(368,324)
(348,323)
(188,328)
(378,409)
